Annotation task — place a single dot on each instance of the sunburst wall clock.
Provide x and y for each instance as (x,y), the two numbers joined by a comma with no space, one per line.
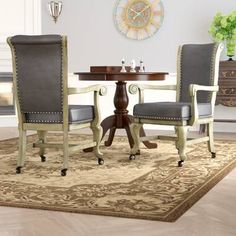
(138,19)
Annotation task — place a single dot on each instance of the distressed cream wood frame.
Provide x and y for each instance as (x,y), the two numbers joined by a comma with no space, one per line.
(65,127)
(181,127)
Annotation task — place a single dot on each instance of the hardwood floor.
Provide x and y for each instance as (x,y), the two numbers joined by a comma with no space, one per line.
(212,215)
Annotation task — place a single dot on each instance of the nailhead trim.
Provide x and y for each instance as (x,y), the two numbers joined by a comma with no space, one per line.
(180,71)
(160,117)
(44,121)
(17,81)
(213,59)
(62,73)
(43,112)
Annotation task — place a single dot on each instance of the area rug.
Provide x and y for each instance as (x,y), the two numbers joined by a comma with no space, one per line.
(151,187)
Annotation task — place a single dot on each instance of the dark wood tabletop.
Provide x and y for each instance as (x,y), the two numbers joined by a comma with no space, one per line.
(121,76)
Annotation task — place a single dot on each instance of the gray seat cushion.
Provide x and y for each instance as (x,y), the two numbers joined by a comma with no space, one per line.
(81,113)
(77,114)
(170,110)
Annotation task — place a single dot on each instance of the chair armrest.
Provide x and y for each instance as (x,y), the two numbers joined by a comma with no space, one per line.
(193,88)
(93,88)
(134,88)
(98,90)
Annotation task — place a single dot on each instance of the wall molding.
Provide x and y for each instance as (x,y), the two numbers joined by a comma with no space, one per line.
(5,58)
(32,26)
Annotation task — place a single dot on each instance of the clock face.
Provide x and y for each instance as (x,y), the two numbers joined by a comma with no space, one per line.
(138,19)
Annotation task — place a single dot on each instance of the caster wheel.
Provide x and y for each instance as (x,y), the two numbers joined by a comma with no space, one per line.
(63,172)
(213,155)
(18,169)
(43,158)
(180,163)
(100,161)
(132,157)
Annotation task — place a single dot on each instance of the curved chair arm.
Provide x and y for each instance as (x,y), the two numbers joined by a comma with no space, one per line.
(134,88)
(98,90)
(193,88)
(93,88)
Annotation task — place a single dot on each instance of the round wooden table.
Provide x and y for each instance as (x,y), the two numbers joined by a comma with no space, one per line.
(121,119)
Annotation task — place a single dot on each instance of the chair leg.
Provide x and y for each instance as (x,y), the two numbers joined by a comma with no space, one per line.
(176,133)
(22,150)
(42,139)
(181,143)
(135,129)
(97,136)
(65,153)
(210,143)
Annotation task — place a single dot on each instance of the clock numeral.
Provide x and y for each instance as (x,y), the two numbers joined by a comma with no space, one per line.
(148,30)
(155,3)
(123,27)
(122,6)
(155,23)
(131,33)
(158,13)
(140,35)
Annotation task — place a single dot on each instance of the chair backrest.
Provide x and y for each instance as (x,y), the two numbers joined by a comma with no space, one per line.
(197,64)
(39,67)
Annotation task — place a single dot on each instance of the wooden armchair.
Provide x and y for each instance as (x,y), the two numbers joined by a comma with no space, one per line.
(41,90)
(197,79)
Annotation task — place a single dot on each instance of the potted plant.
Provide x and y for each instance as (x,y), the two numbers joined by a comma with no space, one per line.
(223,28)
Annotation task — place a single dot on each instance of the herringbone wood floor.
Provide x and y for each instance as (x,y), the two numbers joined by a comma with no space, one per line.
(214,214)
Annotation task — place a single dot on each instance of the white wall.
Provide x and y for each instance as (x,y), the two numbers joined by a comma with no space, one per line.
(94,40)
(17,17)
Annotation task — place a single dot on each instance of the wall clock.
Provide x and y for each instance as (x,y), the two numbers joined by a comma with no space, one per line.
(138,19)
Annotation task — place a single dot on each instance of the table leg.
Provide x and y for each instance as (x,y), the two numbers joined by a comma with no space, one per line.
(110,137)
(108,123)
(121,119)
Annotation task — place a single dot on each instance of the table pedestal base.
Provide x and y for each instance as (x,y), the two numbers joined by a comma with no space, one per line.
(121,122)
(121,119)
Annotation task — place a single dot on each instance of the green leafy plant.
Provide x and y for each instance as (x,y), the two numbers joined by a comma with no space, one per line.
(223,28)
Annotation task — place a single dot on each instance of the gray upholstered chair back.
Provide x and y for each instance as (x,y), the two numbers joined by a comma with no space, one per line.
(39,65)
(196,66)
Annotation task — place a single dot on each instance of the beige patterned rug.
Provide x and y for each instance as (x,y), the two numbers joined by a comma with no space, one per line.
(151,187)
